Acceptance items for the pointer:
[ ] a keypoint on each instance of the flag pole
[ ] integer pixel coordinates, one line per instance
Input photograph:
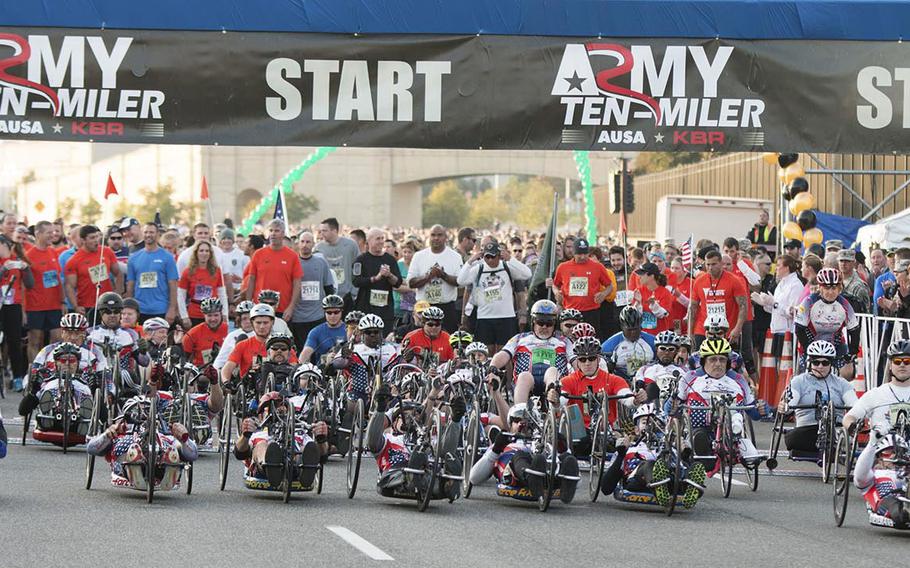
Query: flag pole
(552, 269)
(207, 199)
(109, 190)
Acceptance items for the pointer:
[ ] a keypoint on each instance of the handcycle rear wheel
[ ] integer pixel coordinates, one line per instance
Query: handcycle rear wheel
(94, 428)
(550, 444)
(355, 449)
(289, 452)
(598, 457)
(224, 434)
(673, 455)
(827, 450)
(751, 470)
(188, 423)
(843, 466)
(151, 449)
(472, 441)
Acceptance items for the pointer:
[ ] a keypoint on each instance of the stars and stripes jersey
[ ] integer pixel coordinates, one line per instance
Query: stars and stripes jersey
(89, 359)
(80, 390)
(826, 320)
(653, 371)
(697, 389)
(117, 454)
(886, 484)
(394, 453)
(535, 355)
(634, 456)
(630, 356)
(123, 339)
(502, 462)
(362, 365)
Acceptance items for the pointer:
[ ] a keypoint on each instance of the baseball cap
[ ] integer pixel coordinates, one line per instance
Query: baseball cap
(128, 222)
(581, 246)
(491, 249)
(834, 244)
(649, 268)
(226, 234)
(420, 306)
(792, 244)
(901, 266)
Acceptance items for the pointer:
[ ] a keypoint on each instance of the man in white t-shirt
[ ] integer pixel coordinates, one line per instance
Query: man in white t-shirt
(433, 274)
(883, 404)
(233, 261)
(201, 232)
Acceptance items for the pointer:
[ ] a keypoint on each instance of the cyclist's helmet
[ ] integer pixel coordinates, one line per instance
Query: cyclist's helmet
(519, 411)
(433, 313)
(684, 341)
(821, 348)
(587, 347)
(544, 309)
(333, 301)
(154, 324)
(460, 338)
(262, 310)
(353, 317)
(716, 323)
(131, 303)
(648, 409)
(110, 302)
(74, 322)
(475, 348)
(66, 349)
(719, 346)
(244, 307)
(370, 321)
(410, 383)
(211, 306)
(306, 370)
(569, 314)
(828, 276)
(899, 348)
(583, 329)
(665, 337)
(630, 318)
(277, 338)
(268, 297)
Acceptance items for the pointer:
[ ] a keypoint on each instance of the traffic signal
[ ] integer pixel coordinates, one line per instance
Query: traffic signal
(616, 193)
(628, 193)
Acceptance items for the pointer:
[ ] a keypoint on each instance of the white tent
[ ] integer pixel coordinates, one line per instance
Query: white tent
(890, 232)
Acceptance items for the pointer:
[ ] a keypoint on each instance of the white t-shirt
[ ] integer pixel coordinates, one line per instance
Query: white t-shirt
(233, 262)
(493, 294)
(436, 291)
(878, 403)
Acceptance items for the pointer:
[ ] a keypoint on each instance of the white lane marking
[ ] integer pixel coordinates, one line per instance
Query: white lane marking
(359, 543)
(735, 481)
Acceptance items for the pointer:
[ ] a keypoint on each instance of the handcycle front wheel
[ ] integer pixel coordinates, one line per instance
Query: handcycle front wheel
(224, 442)
(777, 432)
(151, 455)
(550, 443)
(94, 428)
(845, 447)
(424, 496)
(355, 449)
(725, 454)
(827, 450)
(598, 456)
(673, 455)
(472, 441)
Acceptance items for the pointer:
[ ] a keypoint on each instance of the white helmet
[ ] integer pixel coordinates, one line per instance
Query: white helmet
(370, 321)
(153, 324)
(821, 348)
(717, 320)
(476, 347)
(888, 442)
(305, 369)
(262, 310)
(644, 410)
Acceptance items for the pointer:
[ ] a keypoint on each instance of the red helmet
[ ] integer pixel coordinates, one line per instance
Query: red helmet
(583, 329)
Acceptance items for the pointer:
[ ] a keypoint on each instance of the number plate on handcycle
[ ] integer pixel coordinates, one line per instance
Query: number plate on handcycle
(896, 410)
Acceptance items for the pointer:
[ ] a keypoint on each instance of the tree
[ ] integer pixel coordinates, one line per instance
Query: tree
(160, 198)
(533, 201)
(446, 205)
(66, 208)
(299, 207)
(90, 211)
(486, 209)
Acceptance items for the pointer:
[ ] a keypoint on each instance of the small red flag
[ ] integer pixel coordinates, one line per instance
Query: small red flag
(111, 189)
(205, 189)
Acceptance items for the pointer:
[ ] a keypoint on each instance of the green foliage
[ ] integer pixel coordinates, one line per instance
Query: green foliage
(158, 199)
(446, 205)
(66, 208)
(90, 211)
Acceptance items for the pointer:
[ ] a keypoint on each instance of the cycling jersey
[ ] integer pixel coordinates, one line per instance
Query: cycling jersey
(89, 359)
(826, 320)
(125, 342)
(394, 453)
(698, 389)
(535, 355)
(880, 403)
(439, 345)
(651, 372)
(630, 356)
(245, 353)
(802, 391)
(576, 384)
(323, 338)
(362, 366)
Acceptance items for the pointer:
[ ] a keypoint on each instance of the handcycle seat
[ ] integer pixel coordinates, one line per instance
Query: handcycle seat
(518, 492)
(802, 455)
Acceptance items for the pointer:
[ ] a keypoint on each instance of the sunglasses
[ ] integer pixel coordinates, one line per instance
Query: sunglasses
(820, 363)
(68, 359)
(115, 238)
(900, 361)
(666, 348)
(587, 359)
(333, 312)
(545, 323)
(432, 323)
(516, 251)
(280, 348)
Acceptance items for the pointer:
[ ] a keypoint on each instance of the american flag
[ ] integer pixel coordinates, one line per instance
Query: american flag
(685, 251)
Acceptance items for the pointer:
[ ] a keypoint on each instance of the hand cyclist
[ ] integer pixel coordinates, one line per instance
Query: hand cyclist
(202, 341)
(430, 341)
(385, 438)
(243, 330)
(477, 353)
(247, 354)
(826, 314)
(45, 385)
(629, 349)
(539, 357)
(328, 334)
(589, 375)
(568, 319)
(636, 467)
(132, 349)
(273, 298)
(696, 389)
(666, 343)
(352, 323)
(263, 456)
(155, 330)
(878, 403)
(805, 388)
(122, 446)
(882, 478)
(515, 465)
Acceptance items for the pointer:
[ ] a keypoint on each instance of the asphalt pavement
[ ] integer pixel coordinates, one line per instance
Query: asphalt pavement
(51, 520)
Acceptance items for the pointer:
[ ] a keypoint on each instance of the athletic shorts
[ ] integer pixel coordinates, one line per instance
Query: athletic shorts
(44, 320)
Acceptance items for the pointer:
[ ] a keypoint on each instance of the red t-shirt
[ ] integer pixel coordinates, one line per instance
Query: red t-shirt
(679, 311)
(666, 301)
(15, 295)
(276, 270)
(89, 272)
(245, 352)
(739, 273)
(440, 345)
(199, 285)
(579, 282)
(720, 292)
(47, 293)
(198, 342)
(576, 384)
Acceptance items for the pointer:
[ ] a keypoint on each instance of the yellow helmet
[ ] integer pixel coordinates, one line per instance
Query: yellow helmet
(718, 346)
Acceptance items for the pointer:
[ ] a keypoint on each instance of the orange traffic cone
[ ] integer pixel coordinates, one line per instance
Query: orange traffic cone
(785, 370)
(767, 372)
(859, 374)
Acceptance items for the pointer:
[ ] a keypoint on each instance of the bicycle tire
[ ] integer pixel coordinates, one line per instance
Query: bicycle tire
(673, 455)
(472, 441)
(423, 500)
(355, 449)
(151, 455)
(289, 453)
(598, 457)
(65, 418)
(94, 428)
(26, 420)
(776, 434)
(827, 449)
(224, 434)
(726, 453)
(843, 465)
(551, 439)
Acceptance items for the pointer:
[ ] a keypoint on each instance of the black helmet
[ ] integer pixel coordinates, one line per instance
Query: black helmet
(630, 318)
(266, 296)
(587, 347)
(569, 314)
(333, 301)
(899, 348)
(353, 317)
(66, 349)
(211, 306)
(110, 301)
(131, 303)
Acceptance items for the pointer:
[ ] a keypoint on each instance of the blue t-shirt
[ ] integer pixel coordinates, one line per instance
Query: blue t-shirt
(323, 338)
(63, 259)
(880, 289)
(151, 272)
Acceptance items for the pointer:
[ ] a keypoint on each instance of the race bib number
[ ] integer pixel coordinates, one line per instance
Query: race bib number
(148, 280)
(648, 320)
(50, 279)
(543, 355)
(207, 356)
(896, 410)
(338, 271)
(492, 294)
(202, 292)
(379, 298)
(7, 293)
(309, 291)
(434, 292)
(578, 286)
(717, 310)
(624, 298)
(98, 273)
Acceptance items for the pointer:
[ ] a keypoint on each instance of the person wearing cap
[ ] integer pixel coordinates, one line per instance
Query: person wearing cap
(317, 283)
(416, 322)
(584, 284)
(764, 234)
(491, 281)
(855, 290)
(833, 245)
(248, 352)
(86, 277)
(653, 299)
(233, 262)
(430, 338)
(433, 275)
(792, 247)
(131, 231)
(151, 278)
